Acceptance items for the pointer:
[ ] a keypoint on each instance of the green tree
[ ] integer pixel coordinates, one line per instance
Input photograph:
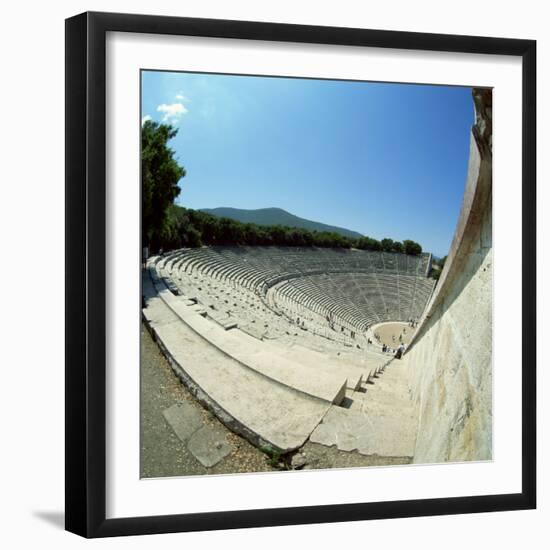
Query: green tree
(387, 244)
(210, 230)
(184, 227)
(397, 247)
(160, 174)
(368, 243)
(412, 247)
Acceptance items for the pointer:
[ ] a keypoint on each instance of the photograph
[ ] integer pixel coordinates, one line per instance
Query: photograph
(316, 274)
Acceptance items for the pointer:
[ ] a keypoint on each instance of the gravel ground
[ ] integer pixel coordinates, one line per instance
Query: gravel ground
(388, 330)
(163, 454)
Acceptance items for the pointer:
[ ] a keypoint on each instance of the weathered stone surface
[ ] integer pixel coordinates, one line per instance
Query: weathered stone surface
(266, 360)
(313, 362)
(370, 435)
(184, 419)
(298, 461)
(451, 355)
(209, 445)
(380, 419)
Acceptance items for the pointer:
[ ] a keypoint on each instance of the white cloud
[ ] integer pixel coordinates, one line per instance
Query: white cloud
(181, 97)
(145, 119)
(172, 112)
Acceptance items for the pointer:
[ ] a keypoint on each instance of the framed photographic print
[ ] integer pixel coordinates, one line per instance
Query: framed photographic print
(300, 276)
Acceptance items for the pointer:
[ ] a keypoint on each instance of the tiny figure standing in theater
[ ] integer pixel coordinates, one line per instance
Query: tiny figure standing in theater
(399, 352)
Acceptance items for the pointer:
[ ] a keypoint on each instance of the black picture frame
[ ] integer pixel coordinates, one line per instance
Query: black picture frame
(86, 276)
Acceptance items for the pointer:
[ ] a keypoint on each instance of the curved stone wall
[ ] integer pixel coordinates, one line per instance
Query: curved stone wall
(450, 358)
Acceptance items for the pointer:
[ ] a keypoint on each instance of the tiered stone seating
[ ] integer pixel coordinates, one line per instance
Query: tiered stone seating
(295, 261)
(359, 299)
(334, 294)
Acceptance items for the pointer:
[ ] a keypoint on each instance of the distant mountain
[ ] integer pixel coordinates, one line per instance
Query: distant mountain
(276, 216)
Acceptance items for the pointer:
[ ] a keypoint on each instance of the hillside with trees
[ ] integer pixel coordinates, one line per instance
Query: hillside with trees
(277, 216)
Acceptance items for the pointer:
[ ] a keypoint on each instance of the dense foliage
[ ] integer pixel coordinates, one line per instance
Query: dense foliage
(437, 267)
(192, 228)
(168, 226)
(160, 174)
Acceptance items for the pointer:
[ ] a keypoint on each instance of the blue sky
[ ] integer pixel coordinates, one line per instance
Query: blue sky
(386, 160)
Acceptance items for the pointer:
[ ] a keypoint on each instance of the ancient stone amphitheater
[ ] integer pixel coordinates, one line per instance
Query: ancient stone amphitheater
(275, 341)
(282, 339)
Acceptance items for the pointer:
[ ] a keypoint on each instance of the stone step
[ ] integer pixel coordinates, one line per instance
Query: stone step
(253, 330)
(384, 382)
(261, 358)
(398, 368)
(322, 365)
(263, 411)
(394, 387)
(381, 403)
(392, 371)
(257, 356)
(371, 363)
(368, 434)
(225, 321)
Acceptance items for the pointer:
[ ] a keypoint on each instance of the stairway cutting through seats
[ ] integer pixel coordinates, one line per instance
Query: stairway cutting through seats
(379, 419)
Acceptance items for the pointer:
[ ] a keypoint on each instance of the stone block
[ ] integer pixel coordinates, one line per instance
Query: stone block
(184, 419)
(209, 445)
